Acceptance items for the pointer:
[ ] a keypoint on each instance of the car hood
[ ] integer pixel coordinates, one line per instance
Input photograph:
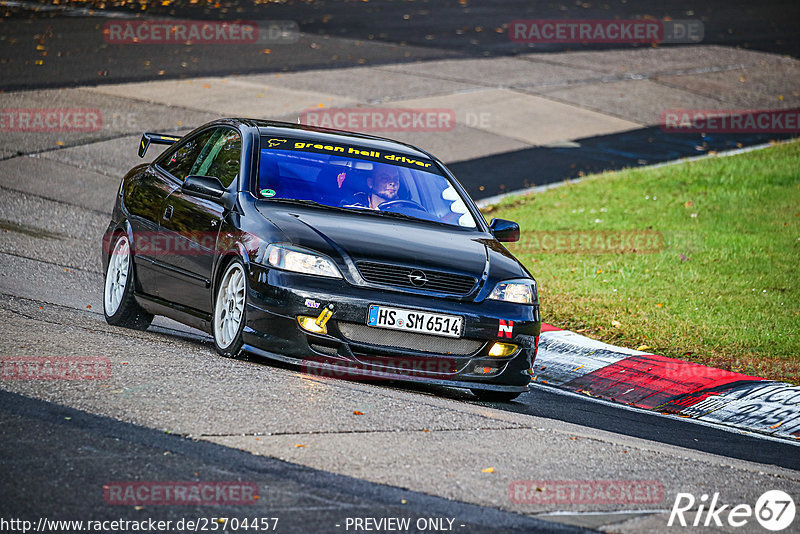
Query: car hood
(364, 236)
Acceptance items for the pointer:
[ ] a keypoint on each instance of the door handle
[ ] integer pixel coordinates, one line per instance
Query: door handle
(168, 213)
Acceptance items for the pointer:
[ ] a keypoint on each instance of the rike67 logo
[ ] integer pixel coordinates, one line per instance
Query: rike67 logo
(774, 510)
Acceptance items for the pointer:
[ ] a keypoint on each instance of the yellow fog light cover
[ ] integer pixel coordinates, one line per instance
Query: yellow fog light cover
(499, 350)
(310, 324)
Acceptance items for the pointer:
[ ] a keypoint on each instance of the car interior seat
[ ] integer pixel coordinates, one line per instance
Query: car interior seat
(336, 183)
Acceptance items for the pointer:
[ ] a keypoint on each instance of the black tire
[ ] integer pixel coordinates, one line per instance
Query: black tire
(128, 313)
(495, 396)
(225, 345)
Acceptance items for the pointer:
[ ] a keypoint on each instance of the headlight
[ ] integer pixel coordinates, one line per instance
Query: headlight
(284, 257)
(519, 291)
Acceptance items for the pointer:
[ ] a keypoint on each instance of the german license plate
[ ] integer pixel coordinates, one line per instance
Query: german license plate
(415, 321)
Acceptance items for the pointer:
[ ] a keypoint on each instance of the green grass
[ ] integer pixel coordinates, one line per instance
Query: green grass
(724, 290)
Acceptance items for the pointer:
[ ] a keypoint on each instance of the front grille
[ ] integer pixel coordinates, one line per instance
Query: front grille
(408, 340)
(397, 275)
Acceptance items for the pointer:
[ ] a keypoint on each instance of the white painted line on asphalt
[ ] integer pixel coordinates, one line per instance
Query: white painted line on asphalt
(613, 512)
(731, 429)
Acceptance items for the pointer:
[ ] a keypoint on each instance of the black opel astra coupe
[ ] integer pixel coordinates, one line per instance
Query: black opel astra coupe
(351, 255)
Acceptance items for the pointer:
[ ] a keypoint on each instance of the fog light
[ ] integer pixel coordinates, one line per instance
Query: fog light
(499, 350)
(310, 324)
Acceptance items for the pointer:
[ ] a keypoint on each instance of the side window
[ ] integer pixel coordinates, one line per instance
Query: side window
(180, 163)
(220, 156)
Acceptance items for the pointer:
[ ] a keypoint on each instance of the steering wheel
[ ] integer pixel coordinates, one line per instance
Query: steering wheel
(401, 202)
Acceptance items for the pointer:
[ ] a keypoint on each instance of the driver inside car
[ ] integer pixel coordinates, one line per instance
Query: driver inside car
(383, 186)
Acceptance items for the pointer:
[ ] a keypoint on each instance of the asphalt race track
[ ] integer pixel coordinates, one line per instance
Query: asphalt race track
(320, 451)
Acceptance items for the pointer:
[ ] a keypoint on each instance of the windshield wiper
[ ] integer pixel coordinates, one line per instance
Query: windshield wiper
(303, 202)
(296, 201)
(360, 209)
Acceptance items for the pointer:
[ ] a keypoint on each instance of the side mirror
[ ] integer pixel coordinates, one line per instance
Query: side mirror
(203, 187)
(503, 230)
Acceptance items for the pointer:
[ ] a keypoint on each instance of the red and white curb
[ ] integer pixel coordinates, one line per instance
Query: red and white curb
(577, 363)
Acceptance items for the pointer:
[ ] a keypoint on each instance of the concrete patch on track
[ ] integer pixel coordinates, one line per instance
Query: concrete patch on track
(83, 116)
(521, 116)
(577, 363)
(228, 96)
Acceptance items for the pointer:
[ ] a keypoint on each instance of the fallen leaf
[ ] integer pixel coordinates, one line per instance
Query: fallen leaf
(299, 445)
(644, 347)
(356, 412)
(488, 470)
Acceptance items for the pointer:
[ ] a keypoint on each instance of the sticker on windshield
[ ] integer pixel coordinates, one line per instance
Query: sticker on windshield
(267, 193)
(369, 154)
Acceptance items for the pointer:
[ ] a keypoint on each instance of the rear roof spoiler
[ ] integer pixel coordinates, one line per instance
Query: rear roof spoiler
(159, 139)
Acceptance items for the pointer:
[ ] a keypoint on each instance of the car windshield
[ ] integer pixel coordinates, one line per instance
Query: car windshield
(358, 178)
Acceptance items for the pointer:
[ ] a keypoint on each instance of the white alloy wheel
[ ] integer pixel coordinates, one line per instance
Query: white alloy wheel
(119, 268)
(229, 305)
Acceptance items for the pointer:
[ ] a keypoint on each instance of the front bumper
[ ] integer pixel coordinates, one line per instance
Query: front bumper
(350, 349)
